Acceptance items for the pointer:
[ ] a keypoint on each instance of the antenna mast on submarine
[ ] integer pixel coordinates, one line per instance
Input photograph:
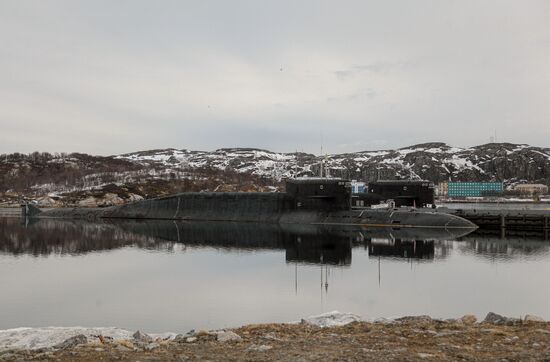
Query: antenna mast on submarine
(321, 162)
(296, 161)
(327, 175)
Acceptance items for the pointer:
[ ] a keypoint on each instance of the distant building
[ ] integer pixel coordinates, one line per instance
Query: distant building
(357, 187)
(442, 189)
(532, 189)
(474, 189)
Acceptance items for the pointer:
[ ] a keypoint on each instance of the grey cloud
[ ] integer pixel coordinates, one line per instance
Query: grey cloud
(378, 68)
(365, 94)
(111, 77)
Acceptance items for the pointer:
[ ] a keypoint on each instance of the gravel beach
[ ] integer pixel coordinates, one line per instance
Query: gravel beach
(409, 338)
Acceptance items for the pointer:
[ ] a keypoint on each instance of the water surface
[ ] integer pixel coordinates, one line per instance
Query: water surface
(175, 276)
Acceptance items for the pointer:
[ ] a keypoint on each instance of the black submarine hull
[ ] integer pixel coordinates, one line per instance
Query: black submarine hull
(276, 208)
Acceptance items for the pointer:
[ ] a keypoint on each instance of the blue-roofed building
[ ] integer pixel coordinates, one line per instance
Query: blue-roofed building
(473, 189)
(357, 187)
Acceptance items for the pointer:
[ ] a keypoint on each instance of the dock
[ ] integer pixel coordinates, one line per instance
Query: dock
(537, 221)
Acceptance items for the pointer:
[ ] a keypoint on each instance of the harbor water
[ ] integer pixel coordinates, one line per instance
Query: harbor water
(161, 276)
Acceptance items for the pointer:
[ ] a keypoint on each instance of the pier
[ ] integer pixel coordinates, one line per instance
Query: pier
(537, 221)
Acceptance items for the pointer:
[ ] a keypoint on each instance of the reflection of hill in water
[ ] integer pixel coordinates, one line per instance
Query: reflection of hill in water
(50, 236)
(302, 243)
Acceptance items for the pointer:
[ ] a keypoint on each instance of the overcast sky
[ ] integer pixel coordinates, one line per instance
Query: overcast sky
(108, 77)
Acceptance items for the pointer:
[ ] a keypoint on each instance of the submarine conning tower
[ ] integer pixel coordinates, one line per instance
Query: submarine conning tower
(322, 194)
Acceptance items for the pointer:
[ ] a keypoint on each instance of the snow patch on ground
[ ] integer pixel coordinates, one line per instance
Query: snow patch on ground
(47, 337)
(36, 338)
(462, 163)
(332, 319)
(542, 154)
(374, 153)
(406, 151)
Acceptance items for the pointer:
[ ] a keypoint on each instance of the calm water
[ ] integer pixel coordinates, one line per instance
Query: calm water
(166, 276)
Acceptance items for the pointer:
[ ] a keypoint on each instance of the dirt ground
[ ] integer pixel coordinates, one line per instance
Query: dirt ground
(411, 339)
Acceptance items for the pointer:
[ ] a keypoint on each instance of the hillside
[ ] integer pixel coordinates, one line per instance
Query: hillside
(83, 179)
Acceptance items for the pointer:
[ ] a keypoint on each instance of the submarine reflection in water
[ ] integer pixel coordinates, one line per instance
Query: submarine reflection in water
(307, 244)
(417, 249)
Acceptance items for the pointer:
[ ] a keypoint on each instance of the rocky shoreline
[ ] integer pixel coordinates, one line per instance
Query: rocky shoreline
(331, 336)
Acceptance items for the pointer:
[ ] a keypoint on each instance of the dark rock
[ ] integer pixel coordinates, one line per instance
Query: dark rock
(73, 341)
(142, 337)
(180, 338)
(494, 318)
(183, 337)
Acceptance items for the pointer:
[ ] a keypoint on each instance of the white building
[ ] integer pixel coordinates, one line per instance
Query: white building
(532, 189)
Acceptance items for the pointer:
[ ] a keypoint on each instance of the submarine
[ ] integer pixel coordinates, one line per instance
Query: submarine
(312, 201)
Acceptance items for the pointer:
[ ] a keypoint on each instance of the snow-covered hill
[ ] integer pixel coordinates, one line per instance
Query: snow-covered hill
(432, 161)
(262, 163)
(157, 172)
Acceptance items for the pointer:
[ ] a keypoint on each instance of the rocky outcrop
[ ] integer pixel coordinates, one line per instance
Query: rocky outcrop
(72, 342)
(331, 319)
(107, 199)
(142, 337)
(227, 336)
(532, 318)
(494, 318)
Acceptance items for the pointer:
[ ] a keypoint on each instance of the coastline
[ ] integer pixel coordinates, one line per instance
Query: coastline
(330, 336)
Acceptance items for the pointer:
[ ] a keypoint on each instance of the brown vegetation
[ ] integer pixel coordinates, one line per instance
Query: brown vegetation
(76, 177)
(411, 339)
